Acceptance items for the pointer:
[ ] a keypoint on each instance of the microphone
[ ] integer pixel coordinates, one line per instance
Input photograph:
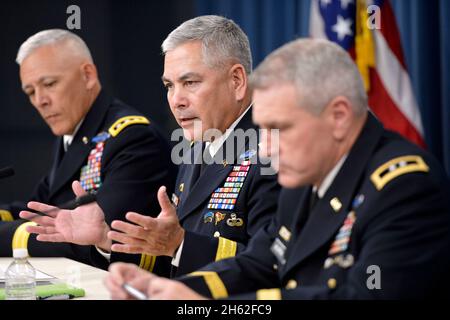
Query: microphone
(6, 172)
(70, 205)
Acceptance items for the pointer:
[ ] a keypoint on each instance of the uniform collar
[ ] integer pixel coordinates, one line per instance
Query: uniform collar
(214, 146)
(329, 178)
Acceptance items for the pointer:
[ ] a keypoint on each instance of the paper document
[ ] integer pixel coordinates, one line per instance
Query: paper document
(40, 276)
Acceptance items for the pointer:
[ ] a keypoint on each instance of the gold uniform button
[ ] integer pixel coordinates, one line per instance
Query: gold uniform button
(275, 266)
(332, 283)
(216, 234)
(291, 284)
(85, 140)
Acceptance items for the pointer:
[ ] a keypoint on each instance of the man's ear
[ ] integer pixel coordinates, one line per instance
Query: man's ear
(339, 113)
(89, 74)
(239, 81)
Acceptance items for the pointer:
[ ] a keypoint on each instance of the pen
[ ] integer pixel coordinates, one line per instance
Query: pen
(134, 292)
(57, 297)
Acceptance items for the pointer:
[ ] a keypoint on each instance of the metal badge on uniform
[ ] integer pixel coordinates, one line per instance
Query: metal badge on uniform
(342, 261)
(234, 221)
(219, 216)
(208, 217)
(181, 187)
(175, 199)
(278, 249)
(284, 233)
(336, 204)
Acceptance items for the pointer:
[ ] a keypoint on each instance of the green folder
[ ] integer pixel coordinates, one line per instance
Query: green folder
(53, 291)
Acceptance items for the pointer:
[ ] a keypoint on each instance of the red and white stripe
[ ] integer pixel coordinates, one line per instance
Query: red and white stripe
(391, 97)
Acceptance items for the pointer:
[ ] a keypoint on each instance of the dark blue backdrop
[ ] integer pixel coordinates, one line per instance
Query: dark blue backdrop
(424, 29)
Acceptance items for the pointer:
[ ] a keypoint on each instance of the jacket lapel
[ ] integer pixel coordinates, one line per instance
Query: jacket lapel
(75, 157)
(213, 175)
(324, 220)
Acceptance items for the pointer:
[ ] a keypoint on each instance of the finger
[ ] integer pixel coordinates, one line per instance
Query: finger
(124, 238)
(44, 221)
(40, 229)
(55, 237)
(78, 189)
(115, 290)
(125, 248)
(148, 223)
(129, 229)
(156, 287)
(42, 207)
(117, 272)
(164, 201)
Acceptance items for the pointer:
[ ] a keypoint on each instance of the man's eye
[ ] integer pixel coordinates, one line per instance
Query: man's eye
(168, 86)
(190, 83)
(49, 84)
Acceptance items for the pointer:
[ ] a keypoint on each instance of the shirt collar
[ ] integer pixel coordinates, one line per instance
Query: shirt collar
(329, 178)
(214, 146)
(68, 138)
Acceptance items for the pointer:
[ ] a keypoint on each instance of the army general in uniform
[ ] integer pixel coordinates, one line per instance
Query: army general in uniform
(104, 144)
(222, 196)
(363, 213)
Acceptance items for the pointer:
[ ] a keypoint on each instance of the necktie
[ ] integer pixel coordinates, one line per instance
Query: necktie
(207, 159)
(312, 201)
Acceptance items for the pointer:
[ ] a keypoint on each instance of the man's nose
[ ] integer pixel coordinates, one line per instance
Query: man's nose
(178, 98)
(41, 99)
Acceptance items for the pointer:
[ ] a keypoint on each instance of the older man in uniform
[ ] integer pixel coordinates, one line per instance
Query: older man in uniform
(109, 147)
(222, 197)
(222, 201)
(364, 214)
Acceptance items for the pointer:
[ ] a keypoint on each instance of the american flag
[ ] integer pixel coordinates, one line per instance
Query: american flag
(379, 56)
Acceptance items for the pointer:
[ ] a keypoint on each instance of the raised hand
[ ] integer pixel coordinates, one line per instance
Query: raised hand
(84, 225)
(155, 236)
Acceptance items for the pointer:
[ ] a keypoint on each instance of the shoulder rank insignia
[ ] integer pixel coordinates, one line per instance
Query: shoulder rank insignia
(397, 167)
(124, 122)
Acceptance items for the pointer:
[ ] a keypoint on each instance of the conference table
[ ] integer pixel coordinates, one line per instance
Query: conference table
(78, 274)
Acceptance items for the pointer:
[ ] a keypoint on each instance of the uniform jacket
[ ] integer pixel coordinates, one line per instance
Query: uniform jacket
(227, 204)
(125, 159)
(381, 231)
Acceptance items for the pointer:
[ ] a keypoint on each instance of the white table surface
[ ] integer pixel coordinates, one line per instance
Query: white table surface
(81, 275)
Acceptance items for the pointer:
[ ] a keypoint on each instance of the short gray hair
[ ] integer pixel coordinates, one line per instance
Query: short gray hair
(319, 69)
(222, 40)
(51, 37)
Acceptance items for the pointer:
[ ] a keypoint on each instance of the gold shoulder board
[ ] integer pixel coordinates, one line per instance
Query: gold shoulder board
(397, 167)
(124, 122)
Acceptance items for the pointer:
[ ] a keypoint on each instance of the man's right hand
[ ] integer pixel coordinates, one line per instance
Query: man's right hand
(84, 225)
(121, 273)
(160, 236)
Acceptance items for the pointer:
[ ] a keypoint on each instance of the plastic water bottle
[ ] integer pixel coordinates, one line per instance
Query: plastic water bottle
(20, 278)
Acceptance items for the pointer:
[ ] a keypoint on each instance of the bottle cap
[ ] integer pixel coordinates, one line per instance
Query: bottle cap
(20, 253)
